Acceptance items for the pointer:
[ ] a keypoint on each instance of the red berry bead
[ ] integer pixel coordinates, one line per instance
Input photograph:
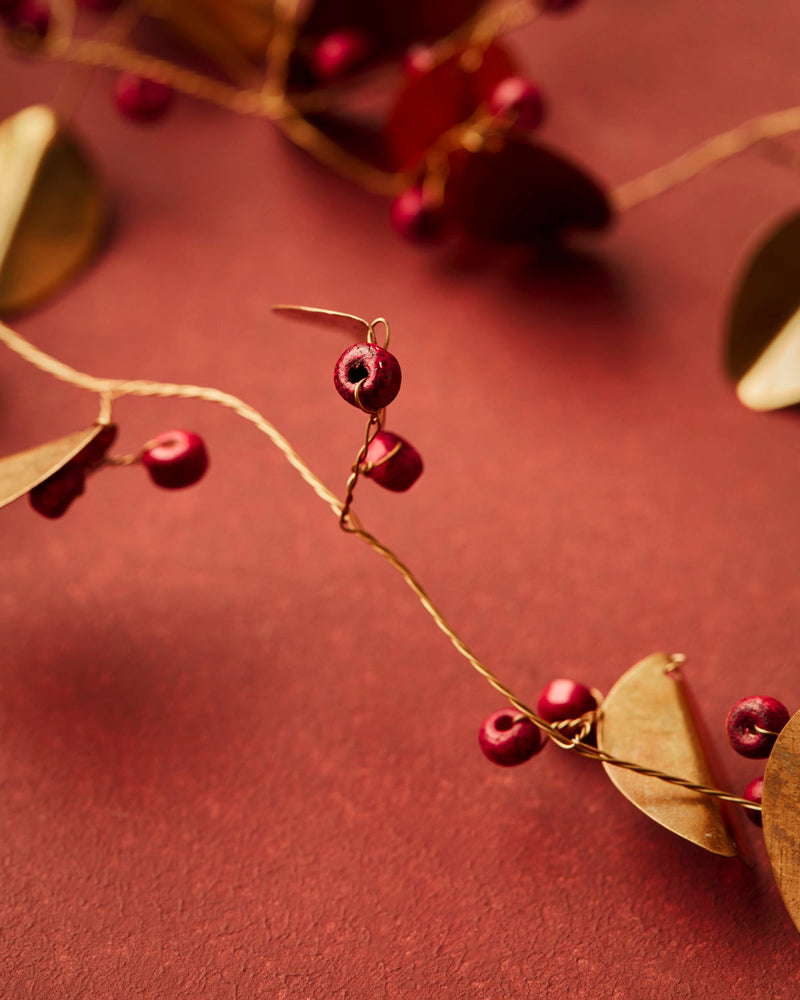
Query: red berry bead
(507, 738)
(518, 98)
(373, 371)
(564, 699)
(750, 715)
(754, 793)
(416, 218)
(340, 53)
(52, 497)
(175, 459)
(31, 17)
(140, 99)
(392, 462)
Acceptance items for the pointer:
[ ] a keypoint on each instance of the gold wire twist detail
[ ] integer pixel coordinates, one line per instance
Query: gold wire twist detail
(116, 388)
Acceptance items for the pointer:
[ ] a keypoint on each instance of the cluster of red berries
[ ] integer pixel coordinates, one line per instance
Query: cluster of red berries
(174, 460)
(368, 377)
(753, 725)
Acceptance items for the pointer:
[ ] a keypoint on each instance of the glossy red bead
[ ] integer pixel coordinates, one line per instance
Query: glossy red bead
(507, 738)
(371, 370)
(175, 459)
(340, 53)
(417, 219)
(748, 717)
(392, 462)
(519, 100)
(565, 699)
(140, 99)
(53, 497)
(753, 793)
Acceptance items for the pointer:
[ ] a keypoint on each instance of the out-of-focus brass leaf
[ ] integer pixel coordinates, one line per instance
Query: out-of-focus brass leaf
(325, 317)
(52, 208)
(21, 472)
(780, 811)
(647, 719)
(763, 348)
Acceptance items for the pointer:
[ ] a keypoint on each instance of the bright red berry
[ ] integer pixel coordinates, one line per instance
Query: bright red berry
(754, 793)
(519, 100)
(416, 218)
(340, 53)
(392, 462)
(140, 99)
(507, 738)
(52, 497)
(175, 459)
(753, 725)
(564, 699)
(367, 376)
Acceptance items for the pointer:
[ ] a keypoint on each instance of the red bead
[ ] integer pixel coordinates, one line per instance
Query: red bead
(52, 497)
(564, 699)
(417, 219)
(747, 717)
(508, 738)
(175, 459)
(30, 16)
(370, 369)
(340, 53)
(753, 793)
(401, 470)
(519, 99)
(140, 99)
(556, 6)
(93, 454)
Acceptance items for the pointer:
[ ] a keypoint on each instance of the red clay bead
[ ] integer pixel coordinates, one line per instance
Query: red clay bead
(399, 472)
(340, 53)
(373, 370)
(175, 459)
(52, 497)
(508, 739)
(753, 793)
(140, 99)
(415, 218)
(518, 98)
(564, 699)
(757, 711)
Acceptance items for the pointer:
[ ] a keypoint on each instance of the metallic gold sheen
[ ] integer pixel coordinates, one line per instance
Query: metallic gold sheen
(52, 208)
(646, 717)
(345, 322)
(21, 472)
(780, 813)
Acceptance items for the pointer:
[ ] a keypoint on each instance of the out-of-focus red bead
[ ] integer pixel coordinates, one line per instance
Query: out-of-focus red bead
(565, 699)
(340, 53)
(98, 4)
(418, 60)
(140, 99)
(400, 470)
(31, 16)
(417, 219)
(372, 371)
(175, 459)
(518, 99)
(52, 497)
(754, 793)
(753, 725)
(508, 738)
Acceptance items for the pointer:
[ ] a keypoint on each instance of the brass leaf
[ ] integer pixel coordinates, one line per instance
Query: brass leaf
(52, 208)
(763, 348)
(21, 472)
(647, 719)
(780, 807)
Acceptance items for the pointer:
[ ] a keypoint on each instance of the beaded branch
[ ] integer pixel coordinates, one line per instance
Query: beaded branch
(567, 733)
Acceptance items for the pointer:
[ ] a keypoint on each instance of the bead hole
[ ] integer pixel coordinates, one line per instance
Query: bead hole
(504, 723)
(357, 372)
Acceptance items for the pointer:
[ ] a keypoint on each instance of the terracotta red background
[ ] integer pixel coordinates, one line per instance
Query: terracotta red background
(236, 758)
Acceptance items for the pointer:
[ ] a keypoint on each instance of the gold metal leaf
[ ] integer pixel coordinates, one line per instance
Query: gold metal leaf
(647, 718)
(21, 472)
(52, 208)
(763, 349)
(325, 317)
(780, 811)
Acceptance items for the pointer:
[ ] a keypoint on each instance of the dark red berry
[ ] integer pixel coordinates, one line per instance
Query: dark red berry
(753, 793)
(418, 60)
(372, 372)
(392, 462)
(416, 218)
(507, 737)
(519, 100)
(340, 53)
(565, 699)
(175, 459)
(753, 725)
(52, 497)
(140, 99)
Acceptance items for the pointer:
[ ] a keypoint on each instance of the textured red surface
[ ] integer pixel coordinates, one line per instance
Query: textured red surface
(236, 758)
